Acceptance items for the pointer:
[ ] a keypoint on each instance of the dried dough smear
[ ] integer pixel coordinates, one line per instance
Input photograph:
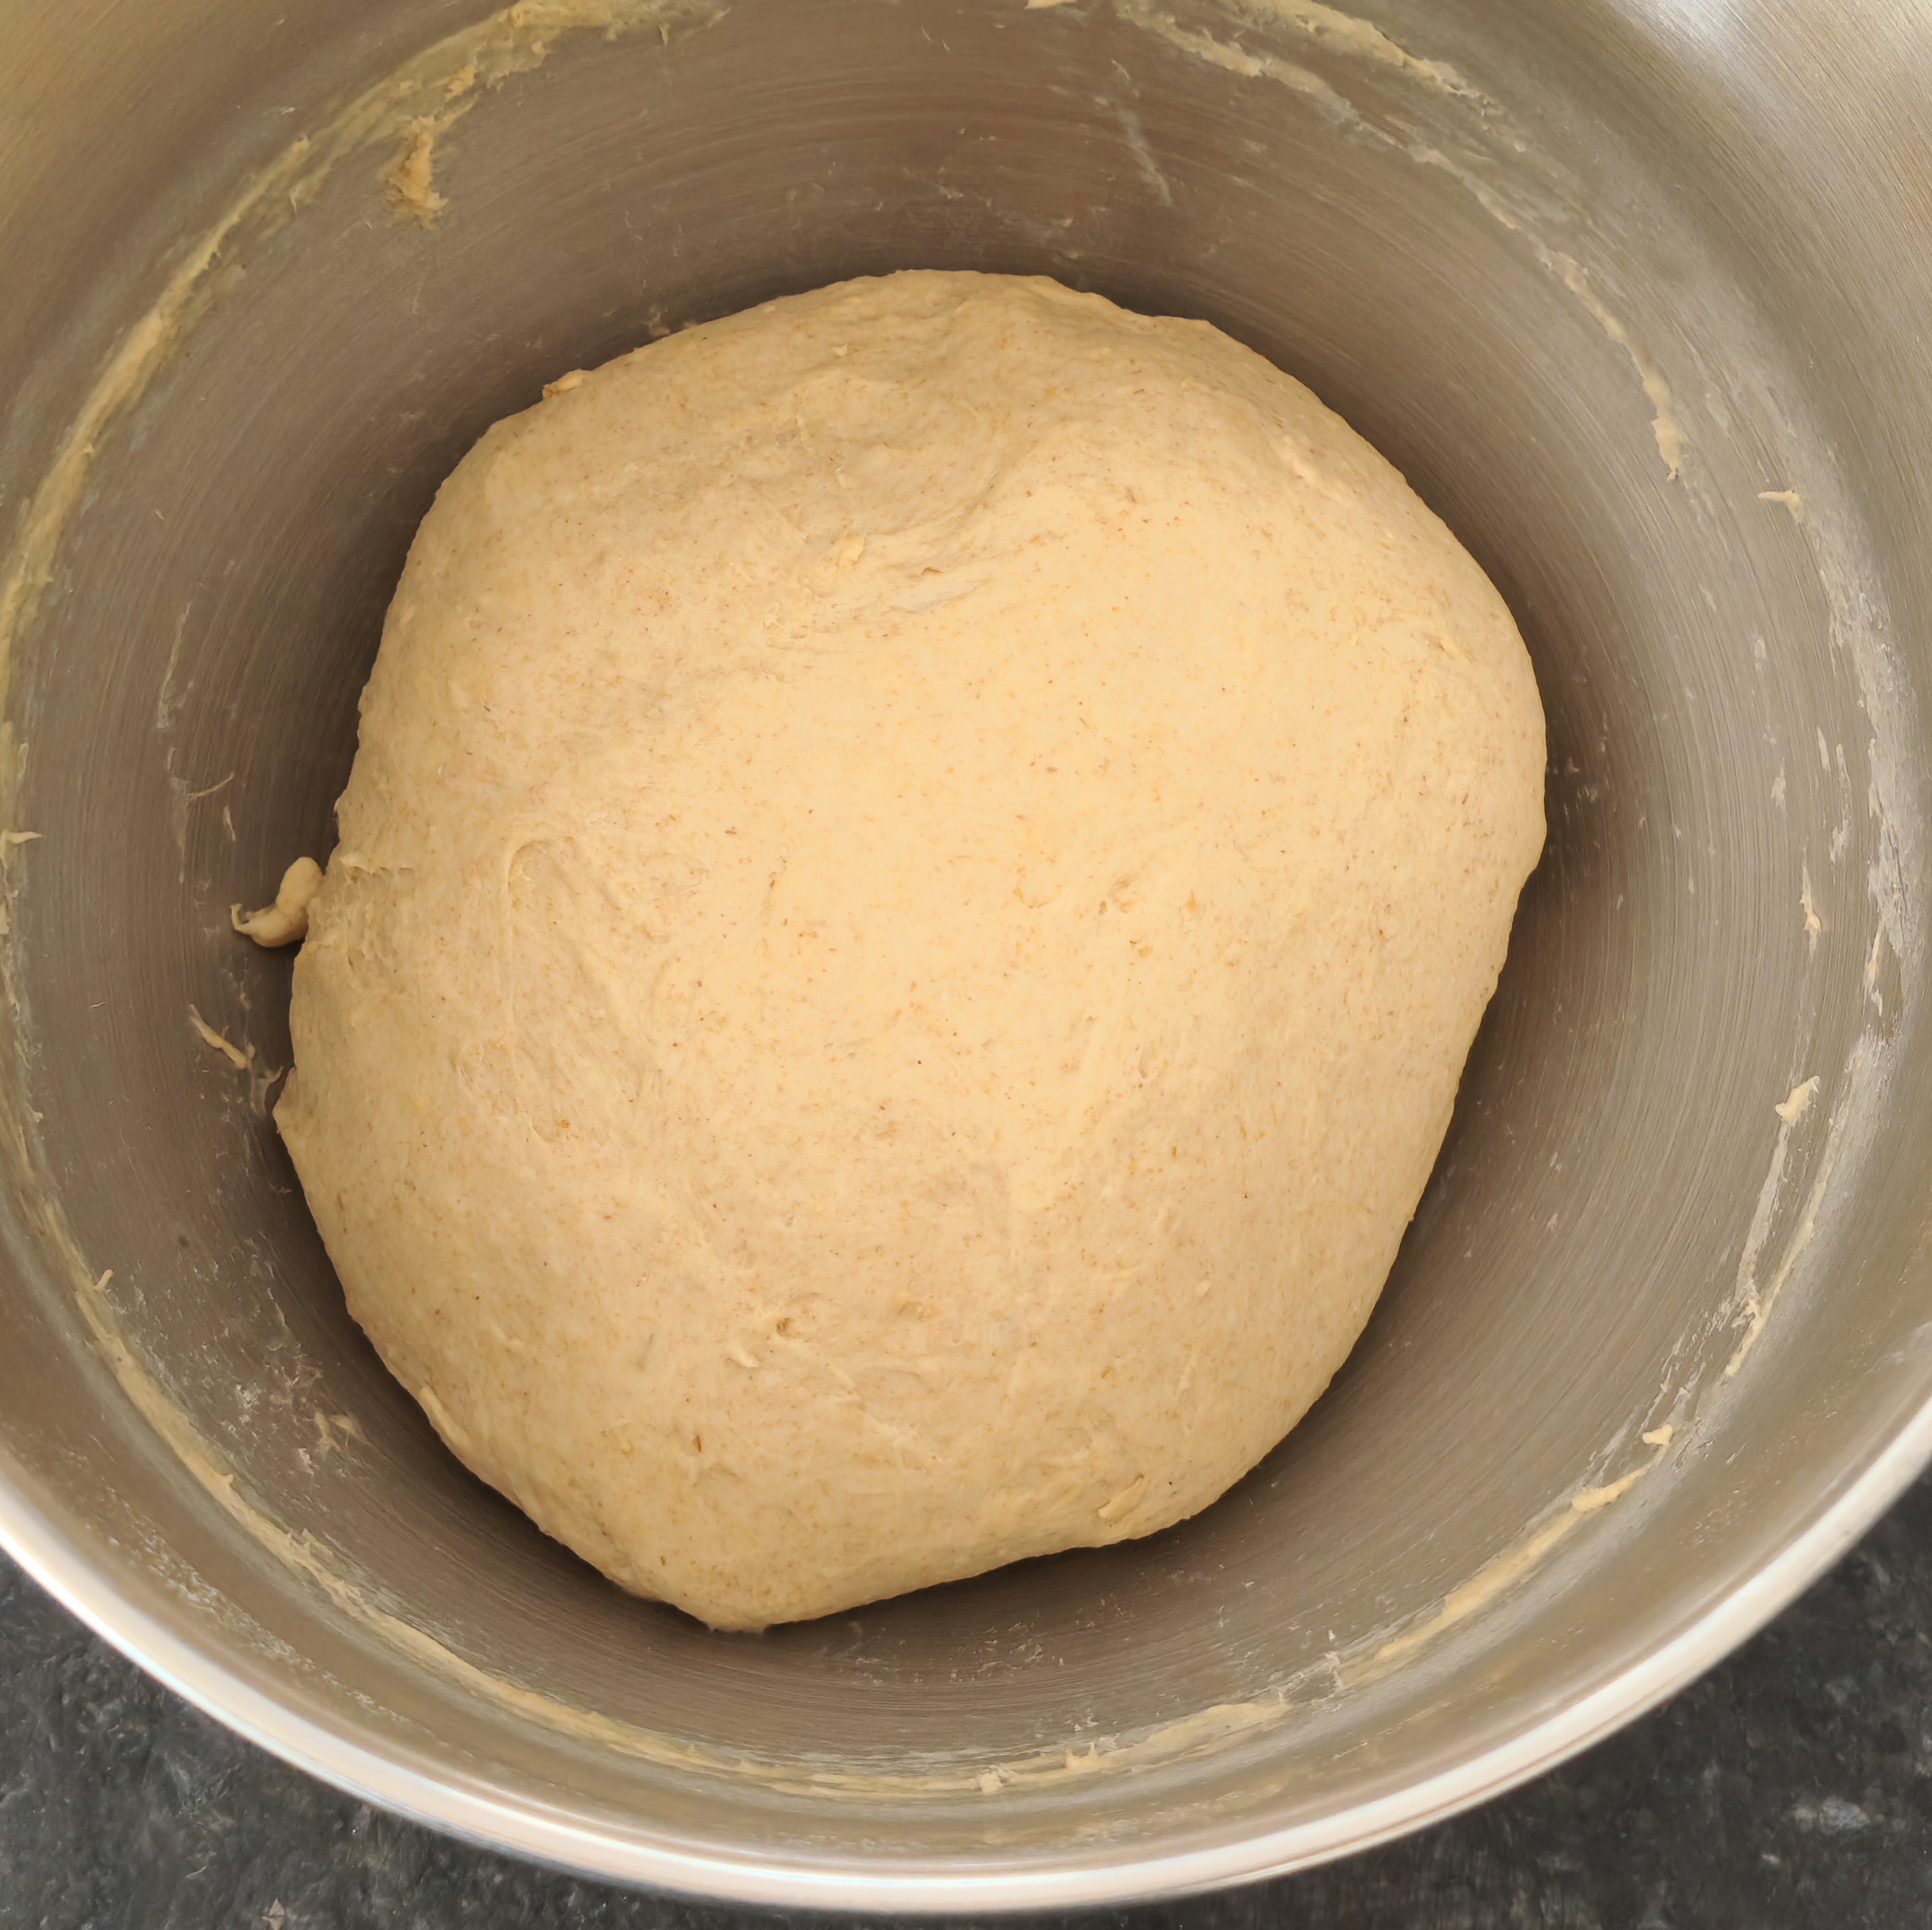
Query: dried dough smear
(922, 865)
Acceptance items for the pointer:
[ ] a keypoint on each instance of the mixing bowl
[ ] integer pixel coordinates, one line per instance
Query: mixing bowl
(1631, 290)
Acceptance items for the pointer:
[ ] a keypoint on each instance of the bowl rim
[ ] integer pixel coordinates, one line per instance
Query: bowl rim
(370, 1773)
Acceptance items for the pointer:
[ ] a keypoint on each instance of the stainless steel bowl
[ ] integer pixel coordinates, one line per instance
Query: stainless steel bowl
(1633, 291)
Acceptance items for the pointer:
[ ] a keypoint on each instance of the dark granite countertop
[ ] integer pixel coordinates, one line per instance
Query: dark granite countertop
(1792, 1786)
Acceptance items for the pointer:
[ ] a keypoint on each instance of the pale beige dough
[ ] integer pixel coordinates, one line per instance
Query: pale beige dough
(923, 865)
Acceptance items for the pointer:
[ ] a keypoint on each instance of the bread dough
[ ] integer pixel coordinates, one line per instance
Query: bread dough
(287, 919)
(922, 865)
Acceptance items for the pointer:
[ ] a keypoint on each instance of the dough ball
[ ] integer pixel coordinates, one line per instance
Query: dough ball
(922, 865)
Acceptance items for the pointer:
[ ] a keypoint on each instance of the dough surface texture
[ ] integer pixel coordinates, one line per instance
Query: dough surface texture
(922, 864)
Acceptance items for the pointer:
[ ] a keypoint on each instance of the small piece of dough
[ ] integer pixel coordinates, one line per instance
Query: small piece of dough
(286, 920)
(241, 1059)
(925, 860)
